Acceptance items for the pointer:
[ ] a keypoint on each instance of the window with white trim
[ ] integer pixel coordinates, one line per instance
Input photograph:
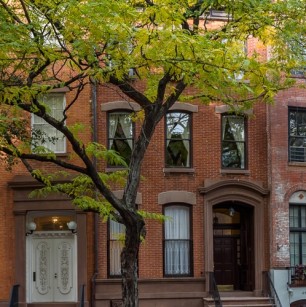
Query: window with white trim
(177, 241)
(178, 139)
(233, 143)
(116, 237)
(121, 134)
(44, 136)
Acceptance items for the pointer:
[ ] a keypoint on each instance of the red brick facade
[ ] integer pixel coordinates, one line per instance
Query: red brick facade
(262, 191)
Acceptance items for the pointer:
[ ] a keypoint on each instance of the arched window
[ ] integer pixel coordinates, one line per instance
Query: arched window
(177, 241)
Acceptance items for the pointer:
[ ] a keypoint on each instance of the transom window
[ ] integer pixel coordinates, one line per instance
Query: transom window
(297, 134)
(44, 136)
(178, 139)
(121, 134)
(233, 147)
(116, 241)
(177, 241)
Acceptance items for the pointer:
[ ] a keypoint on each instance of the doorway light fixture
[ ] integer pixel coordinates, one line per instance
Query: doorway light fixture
(30, 227)
(231, 211)
(72, 226)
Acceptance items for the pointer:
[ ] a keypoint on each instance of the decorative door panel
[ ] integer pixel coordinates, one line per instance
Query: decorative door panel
(64, 270)
(53, 268)
(42, 270)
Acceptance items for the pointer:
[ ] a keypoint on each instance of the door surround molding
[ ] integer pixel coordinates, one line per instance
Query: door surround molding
(21, 187)
(248, 192)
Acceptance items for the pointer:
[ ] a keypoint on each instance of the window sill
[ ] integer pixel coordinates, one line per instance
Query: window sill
(235, 172)
(115, 169)
(303, 164)
(176, 170)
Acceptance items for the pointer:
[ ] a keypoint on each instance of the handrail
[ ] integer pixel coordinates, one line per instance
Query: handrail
(213, 290)
(272, 291)
(82, 299)
(14, 296)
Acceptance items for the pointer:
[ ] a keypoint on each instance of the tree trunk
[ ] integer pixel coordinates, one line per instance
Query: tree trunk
(129, 263)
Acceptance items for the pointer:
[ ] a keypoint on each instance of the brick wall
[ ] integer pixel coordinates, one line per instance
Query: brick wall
(285, 178)
(206, 134)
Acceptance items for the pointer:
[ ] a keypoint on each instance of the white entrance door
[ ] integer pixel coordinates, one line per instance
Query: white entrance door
(53, 268)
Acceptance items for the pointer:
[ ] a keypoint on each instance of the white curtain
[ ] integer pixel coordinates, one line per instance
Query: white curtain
(177, 241)
(56, 104)
(116, 232)
(126, 124)
(179, 124)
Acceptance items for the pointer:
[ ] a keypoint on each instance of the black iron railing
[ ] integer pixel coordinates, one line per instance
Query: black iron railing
(14, 296)
(271, 290)
(213, 290)
(297, 276)
(82, 296)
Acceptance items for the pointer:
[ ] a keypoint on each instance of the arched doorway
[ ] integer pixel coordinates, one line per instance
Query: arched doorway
(233, 246)
(251, 201)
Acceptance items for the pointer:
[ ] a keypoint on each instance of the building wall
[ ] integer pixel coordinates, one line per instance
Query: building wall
(12, 253)
(205, 170)
(285, 177)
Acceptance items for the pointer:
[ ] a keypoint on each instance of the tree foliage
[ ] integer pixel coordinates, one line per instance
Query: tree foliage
(170, 45)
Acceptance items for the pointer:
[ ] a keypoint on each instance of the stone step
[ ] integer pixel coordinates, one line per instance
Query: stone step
(241, 301)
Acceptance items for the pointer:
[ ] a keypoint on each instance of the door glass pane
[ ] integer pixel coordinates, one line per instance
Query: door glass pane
(53, 223)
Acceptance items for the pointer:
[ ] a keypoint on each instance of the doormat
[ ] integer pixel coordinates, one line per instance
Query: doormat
(224, 288)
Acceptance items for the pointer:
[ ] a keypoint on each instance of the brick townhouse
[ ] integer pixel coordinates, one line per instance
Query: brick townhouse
(233, 185)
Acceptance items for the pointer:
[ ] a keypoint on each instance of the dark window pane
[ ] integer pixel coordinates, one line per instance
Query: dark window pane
(233, 142)
(297, 223)
(297, 135)
(178, 139)
(120, 134)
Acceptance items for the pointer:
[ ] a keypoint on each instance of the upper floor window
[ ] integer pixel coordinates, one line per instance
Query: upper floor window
(297, 135)
(177, 241)
(233, 147)
(121, 134)
(178, 139)
(45, 135)
(115, 245)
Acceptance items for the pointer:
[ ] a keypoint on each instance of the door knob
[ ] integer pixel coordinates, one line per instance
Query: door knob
(55, 275)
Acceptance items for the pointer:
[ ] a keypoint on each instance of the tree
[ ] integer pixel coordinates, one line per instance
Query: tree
(168, 45)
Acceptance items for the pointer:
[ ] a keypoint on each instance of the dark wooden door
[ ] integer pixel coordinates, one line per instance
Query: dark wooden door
(225, 260)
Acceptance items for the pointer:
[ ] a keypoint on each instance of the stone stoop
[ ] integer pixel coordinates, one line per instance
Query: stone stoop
(53, 304)
(232, 301)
